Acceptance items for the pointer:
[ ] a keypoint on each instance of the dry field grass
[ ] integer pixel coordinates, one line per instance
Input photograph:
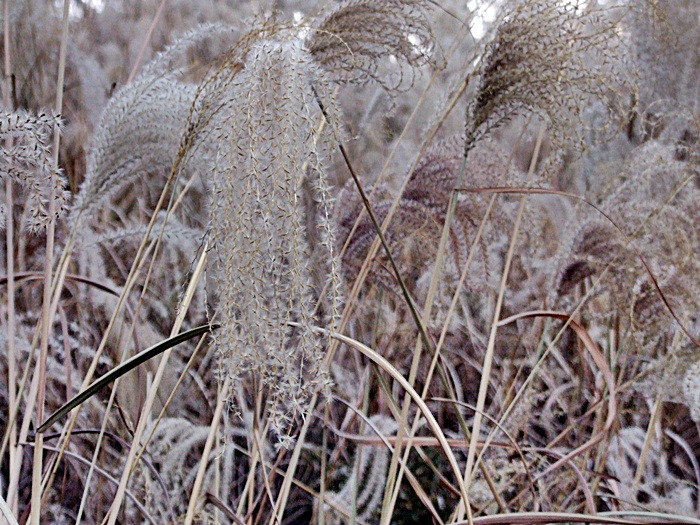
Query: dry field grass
(397, 261)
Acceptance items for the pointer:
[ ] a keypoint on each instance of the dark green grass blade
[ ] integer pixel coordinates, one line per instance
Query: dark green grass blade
(122, 369)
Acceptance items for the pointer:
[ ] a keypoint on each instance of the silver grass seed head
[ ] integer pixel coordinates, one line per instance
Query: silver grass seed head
(26, 156)
(141, 129)
(268, 146)
(138, 134)
(354, 41)
(546, 59)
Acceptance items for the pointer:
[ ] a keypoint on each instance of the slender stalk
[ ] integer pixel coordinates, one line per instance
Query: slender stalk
(443, 334)
(324, 466)
(648, 440)
(490, 347)
(15, 457)
(394, 484)
(214, 427)
(146, 41)
(7, 513)
(48, 265)
(24, 428)
(390, 502)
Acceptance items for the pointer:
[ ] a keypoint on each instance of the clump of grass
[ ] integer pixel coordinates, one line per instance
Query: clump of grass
(543, 349)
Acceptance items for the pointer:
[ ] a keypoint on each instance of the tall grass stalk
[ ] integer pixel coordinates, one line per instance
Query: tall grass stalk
(46, 318)
(7, 512)
(488, 357)
(213, 430)
(14, 456)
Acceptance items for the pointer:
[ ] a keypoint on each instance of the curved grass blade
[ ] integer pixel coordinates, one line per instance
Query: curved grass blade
(122, 369)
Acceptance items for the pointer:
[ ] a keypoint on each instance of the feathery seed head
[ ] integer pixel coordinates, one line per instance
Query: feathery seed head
(139, 133)
(264, 105)
(27, 158)
(355, 40)
(541, 61)
(268, 145)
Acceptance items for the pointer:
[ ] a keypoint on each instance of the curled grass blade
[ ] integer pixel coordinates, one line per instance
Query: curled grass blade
(420, 492)
(122, 369)
(599, 359)
(396, 375)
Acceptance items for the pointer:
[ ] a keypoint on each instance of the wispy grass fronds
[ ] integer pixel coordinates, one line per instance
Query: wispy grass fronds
(141, 129)
(26, 157)
(548, 59)
(363, 40)
(138, 135)
(268, 146)
(266, 117)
